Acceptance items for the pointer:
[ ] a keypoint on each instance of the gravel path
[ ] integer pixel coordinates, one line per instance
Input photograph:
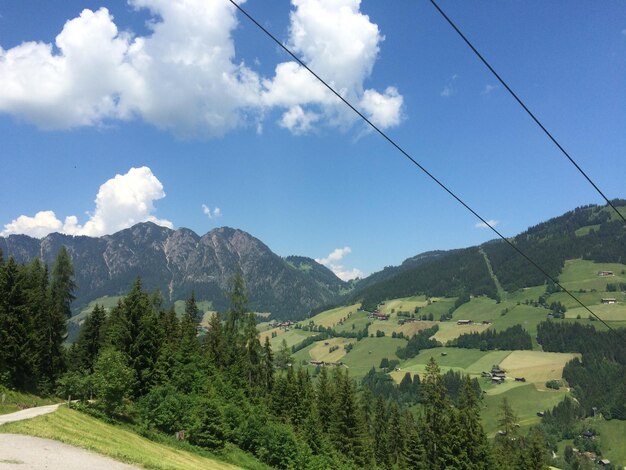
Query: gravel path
(27, 413)
(19, 452)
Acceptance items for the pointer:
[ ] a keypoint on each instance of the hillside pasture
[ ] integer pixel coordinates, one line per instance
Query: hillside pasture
(405, 304)
(479, 309)
(610, 313)
(356, 322)
(332, 317)
(291, 336)
(368, 353)
(525, 400)
(449, 330)
(390, 326)
(321, 349)
(438, 306)
(536, 366)
(583, 274)
(527, 293)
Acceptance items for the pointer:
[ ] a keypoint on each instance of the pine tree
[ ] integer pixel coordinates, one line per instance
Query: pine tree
(324, 398)
(254, 352)
(414, 454)
(208, 430)
(473, 441)
(381, 444)
(214, 342)
(395, 435)
(267, 366)
(90, 341)
(437, 419)
(15, 362)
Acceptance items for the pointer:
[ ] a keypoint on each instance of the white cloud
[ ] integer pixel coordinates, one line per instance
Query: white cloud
(491, 222)
(121, 202)
(449, 89)
(488, 89)
(341, 45)
(211, 214)
(298, 121)
(384, 110)
(332, 263)
(184, 75)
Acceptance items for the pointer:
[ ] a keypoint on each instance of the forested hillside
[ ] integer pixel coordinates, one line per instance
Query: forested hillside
(148, 368)
(590, 232)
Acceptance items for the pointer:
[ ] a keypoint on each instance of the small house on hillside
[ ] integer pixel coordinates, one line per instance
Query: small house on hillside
(520, 379)
(604, 462)
(606, 273)
(496, 379)
(464, 322)
(608, 301)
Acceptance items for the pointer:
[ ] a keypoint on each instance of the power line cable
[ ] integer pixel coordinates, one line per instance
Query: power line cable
(528, 111)
(417, 164)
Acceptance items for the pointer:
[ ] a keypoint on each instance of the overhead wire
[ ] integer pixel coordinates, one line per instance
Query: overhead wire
(528, 111)
(418, 165)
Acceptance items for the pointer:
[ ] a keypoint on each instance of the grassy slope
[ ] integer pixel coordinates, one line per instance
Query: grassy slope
(525, 400)
(369, 352)
(332, 317)
(81, 430)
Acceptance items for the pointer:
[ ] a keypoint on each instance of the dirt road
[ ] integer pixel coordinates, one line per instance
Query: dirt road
(19, 452)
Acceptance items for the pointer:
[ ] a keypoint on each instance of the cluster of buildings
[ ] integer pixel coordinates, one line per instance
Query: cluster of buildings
(284, 325)
(377, 315)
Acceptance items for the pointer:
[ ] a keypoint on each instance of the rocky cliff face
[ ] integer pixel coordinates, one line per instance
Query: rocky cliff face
(179, 261)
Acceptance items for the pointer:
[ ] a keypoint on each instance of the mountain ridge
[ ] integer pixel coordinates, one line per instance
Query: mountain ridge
(180, 261)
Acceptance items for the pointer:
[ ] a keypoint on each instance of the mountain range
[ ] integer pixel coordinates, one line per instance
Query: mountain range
(178, 262)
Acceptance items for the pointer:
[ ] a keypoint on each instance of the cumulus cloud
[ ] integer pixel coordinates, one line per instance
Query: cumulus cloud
(121, 202)
(184, 76)
(211, 214)
(491, 222)
(341, 45)
(332, 262)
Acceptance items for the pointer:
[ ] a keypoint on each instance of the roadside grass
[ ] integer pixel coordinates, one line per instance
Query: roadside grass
(369, 352)
(525, 400)
(15, 401)
(117, 441)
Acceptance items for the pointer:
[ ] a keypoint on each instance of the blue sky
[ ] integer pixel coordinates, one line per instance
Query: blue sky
(210, 114)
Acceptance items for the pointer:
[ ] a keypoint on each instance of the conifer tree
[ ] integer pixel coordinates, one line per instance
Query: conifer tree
(395, 435)
(15, 363)
(267, 366)
(472, 438)
(90, 341)
(214, 342)
(379, 437)
(437, 419)
(324, 398)
(414, 454)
